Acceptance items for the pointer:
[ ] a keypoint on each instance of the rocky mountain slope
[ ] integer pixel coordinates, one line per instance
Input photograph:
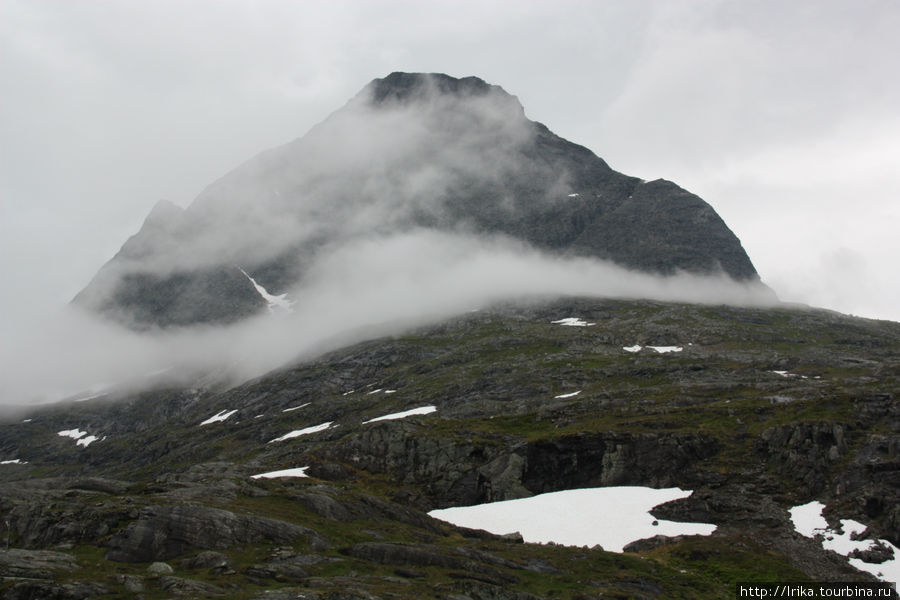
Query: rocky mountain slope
(152, 494)
(320, 479)
(410, 152)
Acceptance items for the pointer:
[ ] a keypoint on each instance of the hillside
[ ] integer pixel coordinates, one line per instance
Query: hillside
(754, 410)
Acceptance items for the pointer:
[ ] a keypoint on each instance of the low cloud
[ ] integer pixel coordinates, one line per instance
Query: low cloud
(373, 286)
(363, 208)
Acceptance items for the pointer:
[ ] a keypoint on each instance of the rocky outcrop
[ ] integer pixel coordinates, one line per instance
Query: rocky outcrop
(41, 520)
(461, 473)
(612, 458)
(806, 452)
(37, 564)
(47, 590)
(164, 532)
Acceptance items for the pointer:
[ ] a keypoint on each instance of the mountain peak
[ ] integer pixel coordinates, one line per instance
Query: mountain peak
(402, 87)
(163, 213)
(410, 152)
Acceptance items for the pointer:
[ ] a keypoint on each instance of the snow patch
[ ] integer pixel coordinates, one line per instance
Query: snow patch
(279, 302)
(293, 408)
(14, 461)
(220, 416)
(297, 472)
(612, 517)
(788, 374)
(808, 521)
(658, 349)
(306, 431)
(665, 349)
(574, 195)
(573, 322)
(79, 437)
(569, 395)
(422, 410)
(87, 441)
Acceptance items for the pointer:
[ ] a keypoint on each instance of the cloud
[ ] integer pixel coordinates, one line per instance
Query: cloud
(374, 285)
(718, 81)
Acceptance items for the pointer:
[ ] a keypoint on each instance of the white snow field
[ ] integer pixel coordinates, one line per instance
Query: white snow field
(569, 395)
(219, 416)
(299, 432)
(296, 472)
(612, 517)
(808, 521)
(81, 437)
(293, 408)
(573, 322)
(658, 349)
(279, 302)
(86, 441)
(72, 433)
(14, 461)
(422, 410)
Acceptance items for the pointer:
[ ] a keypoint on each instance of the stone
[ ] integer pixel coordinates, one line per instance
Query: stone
(160, 568)
(207, 559)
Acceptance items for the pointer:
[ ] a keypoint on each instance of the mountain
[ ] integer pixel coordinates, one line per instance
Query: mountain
(755, 411)
(677, 449)
(410, 152)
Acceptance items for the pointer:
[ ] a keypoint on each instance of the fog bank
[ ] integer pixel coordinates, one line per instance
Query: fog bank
(375, 285)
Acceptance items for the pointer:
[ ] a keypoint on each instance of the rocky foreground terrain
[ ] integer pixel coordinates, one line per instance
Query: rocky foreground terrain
(760, 410)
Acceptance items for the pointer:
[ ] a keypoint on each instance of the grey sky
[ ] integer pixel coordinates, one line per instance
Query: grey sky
(783, 115)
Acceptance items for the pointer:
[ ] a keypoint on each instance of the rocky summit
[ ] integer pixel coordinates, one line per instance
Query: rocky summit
(316, 480)
(410, 152)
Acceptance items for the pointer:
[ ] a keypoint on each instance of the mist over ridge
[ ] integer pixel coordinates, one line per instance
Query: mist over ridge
(409, 151)
(376, 285)
(423, 197)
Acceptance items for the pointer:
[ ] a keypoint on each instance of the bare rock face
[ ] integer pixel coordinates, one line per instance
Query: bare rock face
(35, 563)
(411, 151)
(48, 590)
(164, 532)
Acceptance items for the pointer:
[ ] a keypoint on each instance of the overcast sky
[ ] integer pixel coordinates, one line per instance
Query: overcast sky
(785, 116)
